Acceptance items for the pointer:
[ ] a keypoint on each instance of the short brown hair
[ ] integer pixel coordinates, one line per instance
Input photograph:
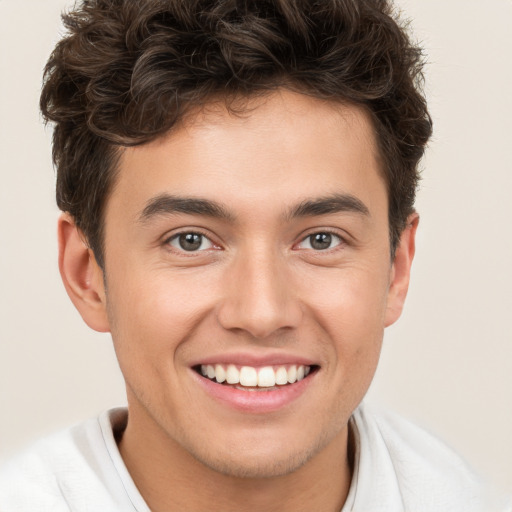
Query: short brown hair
(127, 71)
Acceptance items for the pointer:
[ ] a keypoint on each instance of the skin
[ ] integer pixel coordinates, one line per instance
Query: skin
(256, 287)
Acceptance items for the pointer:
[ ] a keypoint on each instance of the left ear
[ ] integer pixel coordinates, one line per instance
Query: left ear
(401, 271)
(81, 275)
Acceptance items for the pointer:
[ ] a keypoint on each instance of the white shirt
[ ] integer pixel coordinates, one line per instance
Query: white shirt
(398, 468)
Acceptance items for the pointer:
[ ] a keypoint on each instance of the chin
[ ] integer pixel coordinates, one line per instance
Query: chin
(250, 468)
(262, 459)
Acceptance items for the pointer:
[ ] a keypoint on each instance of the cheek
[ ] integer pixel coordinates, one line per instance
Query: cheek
(350, 304)
(350, 309)
(151, 318)
(153, 313)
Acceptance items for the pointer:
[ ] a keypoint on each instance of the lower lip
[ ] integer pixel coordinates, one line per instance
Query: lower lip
(256, 402)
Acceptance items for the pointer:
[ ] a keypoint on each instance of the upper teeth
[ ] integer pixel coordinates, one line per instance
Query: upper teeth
(265, 377)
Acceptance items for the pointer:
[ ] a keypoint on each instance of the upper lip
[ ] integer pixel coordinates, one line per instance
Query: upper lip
(255, 360)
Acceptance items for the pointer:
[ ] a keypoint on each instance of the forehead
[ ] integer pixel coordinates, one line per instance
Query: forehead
(270, 149)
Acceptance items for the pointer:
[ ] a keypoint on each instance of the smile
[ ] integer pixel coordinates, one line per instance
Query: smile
(256, 385)
(249, 378)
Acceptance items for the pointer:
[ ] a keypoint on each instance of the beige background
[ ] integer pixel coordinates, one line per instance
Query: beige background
(448, 362)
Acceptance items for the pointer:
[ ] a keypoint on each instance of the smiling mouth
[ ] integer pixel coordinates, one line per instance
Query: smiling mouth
(249, 378)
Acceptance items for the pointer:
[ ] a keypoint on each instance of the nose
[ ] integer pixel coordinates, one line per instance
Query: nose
(260, 297)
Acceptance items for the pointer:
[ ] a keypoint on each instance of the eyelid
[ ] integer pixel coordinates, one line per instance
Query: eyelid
(333, 233)
(175, 234)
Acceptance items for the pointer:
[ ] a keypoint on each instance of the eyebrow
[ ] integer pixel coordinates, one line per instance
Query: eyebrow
(166, 204)
(336, 203)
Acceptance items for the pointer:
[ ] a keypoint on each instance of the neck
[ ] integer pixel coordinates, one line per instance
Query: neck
(170, 478)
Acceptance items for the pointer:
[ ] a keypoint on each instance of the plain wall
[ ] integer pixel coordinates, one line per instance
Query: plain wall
(447, 364)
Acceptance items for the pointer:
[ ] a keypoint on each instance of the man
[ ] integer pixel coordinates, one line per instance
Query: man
(237, 183)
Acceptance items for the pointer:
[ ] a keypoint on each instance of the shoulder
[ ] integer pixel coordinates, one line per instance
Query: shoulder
(70, 470)
(422, 472)
(413, 449)
(42, 473)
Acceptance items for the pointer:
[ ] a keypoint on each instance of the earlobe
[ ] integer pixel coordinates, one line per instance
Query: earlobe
(401, 271)
(81, 275)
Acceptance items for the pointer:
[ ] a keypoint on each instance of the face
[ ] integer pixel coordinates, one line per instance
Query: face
(248, 281)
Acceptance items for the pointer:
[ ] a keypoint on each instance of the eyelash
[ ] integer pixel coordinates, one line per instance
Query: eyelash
(176, 236)
(341, 240)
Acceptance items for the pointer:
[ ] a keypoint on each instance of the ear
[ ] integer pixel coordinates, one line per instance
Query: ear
(81, 275)
(401, 271)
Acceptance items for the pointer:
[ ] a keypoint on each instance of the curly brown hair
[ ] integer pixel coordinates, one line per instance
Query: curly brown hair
(127, 71)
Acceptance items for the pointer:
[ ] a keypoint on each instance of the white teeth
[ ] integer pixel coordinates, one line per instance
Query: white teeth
(220, 373)
(232, 374)
(292, 374)
(281, 376)
(266, 377)
(248, 376)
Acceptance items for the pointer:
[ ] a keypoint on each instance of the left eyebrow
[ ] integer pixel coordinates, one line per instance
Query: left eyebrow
(166, 204)
(335, 203)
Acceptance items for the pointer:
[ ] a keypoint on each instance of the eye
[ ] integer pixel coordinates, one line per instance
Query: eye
(190, 242)
(320, 241)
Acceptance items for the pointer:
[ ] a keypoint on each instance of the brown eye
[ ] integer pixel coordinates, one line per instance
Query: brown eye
(190, 242)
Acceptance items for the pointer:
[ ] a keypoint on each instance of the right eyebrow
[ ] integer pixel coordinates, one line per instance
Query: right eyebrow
(334, 203)
(166, 204)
